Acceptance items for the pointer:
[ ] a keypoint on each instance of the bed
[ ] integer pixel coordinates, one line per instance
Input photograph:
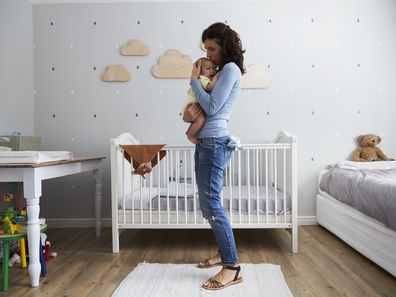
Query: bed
(357, 202)
(259, 188)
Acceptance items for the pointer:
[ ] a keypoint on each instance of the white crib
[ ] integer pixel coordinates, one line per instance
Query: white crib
(259, 191)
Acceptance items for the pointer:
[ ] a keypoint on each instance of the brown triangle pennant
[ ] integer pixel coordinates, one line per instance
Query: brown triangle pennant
(144, 156)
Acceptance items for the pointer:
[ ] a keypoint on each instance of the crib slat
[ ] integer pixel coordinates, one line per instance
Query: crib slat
(284, 185)
(239, 187)
(260, 162)
(177, 185)
(194, 184)
(248, 180)
(123, 187)
(132, 196)
(159, 187)
(150, 189)
(141, 202)
(230, 180)
(266, 184)
(276, 185)
(168, 180)
(185, 184)
(257, 186)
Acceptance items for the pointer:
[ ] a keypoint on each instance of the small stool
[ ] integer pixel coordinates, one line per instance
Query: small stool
(5, 238)
(6, 255)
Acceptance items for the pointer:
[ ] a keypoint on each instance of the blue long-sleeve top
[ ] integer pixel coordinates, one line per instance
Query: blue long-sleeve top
(218, 103)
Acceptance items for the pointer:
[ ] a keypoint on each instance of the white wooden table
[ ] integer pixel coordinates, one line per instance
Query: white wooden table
(32, 176)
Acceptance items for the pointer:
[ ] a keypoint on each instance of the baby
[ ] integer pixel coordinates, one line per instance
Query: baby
(208, 78)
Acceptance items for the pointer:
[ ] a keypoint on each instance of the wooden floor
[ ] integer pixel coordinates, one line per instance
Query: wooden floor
(85, 266)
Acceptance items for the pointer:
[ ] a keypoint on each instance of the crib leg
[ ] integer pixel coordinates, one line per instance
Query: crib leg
(294, 239)
(116, 240)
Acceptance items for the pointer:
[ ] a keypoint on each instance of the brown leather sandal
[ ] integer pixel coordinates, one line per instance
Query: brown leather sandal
(216, 285)
(206, 264)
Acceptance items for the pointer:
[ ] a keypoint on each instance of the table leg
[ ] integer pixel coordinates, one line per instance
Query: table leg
(98, 200)
(32, 190)
(33, 233)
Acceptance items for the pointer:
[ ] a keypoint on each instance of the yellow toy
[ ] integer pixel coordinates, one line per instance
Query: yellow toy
(10, 228)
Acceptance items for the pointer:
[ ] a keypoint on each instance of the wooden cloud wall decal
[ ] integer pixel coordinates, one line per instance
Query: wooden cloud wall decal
(135, 48)
(116, 73)
(256, 78)
(173, 65)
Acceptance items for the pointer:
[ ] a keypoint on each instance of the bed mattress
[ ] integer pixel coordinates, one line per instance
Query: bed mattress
(368, 187)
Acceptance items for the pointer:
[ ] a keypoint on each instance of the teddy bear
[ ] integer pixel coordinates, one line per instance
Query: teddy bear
(368, 152)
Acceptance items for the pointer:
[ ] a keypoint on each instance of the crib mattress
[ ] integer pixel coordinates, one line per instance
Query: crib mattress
(244, 200)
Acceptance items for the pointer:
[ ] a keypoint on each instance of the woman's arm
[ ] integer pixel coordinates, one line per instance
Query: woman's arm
(209, 87)
(211, 103)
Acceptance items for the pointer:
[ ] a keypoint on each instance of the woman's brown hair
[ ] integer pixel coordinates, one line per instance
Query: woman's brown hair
(228, 39)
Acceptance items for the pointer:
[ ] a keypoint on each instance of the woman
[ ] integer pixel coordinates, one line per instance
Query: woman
(224, 49)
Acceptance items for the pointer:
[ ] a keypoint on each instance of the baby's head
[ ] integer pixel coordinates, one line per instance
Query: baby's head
(207, 67)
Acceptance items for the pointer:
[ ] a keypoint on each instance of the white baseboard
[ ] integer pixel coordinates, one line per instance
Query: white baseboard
(307, 220)
(106, 222)
(76, 223)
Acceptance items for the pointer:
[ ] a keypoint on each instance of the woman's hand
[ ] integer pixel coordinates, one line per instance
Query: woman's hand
(196, 69)
(191, 112)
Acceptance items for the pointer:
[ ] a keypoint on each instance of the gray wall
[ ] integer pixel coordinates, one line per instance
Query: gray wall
(332, 64)
(16, 67)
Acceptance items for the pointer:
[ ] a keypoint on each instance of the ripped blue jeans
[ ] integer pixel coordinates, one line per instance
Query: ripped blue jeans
(211, 157)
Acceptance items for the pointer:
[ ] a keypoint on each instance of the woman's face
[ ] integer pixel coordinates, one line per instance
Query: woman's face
(213, 51)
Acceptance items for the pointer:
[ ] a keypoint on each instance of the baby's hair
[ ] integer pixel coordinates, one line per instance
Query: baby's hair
(204, 59)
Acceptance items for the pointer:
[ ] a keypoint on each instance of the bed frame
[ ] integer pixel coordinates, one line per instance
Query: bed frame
(267, 171)
(365, 234)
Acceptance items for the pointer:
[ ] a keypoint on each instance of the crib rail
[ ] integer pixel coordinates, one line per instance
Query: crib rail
(259, 189)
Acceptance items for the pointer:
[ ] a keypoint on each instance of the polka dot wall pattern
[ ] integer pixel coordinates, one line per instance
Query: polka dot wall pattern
(326, 76)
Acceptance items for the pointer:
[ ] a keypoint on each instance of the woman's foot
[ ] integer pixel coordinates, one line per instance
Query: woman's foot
(211, 262)
(228, 276)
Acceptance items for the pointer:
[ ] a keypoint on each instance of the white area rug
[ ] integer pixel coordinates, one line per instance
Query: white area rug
(185, 280)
